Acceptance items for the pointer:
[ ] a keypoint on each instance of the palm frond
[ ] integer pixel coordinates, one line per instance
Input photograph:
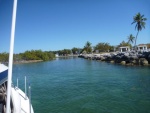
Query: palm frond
(144, 19)
(133, 22)
(143, 24)
(142, 16)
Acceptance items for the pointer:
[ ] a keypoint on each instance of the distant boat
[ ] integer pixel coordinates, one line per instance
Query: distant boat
(12, 99)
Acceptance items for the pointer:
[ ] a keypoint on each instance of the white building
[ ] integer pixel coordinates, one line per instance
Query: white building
(124, 49)
(56, 55)
(142, 47)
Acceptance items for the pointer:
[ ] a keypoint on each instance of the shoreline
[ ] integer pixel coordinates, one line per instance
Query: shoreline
(35, 61)
(67, 56)
(27, 61)
(123, 58)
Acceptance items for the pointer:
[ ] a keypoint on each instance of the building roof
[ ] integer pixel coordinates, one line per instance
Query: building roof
(125, 47)
(142, 45)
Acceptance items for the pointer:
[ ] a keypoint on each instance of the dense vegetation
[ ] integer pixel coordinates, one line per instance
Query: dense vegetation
(29, 55)
(4, 57)
(63, 52)
(104, 47)
(123, 43)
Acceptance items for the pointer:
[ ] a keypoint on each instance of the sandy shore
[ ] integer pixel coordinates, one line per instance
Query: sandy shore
(27, 61)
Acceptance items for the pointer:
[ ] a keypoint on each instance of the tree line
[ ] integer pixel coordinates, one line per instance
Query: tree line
(50, 55)
(29, 55)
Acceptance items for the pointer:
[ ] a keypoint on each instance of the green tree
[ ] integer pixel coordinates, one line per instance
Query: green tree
(123, 43)
(88, 47)
(75, 50)
(112, 48)
(37, 55)
(66, 52)
(17, 57)
(44, 56)
(51, 55)
(131, 38)
(29, 55)
(4, 57)
(63, 52)
(102, 47)
(140, 23)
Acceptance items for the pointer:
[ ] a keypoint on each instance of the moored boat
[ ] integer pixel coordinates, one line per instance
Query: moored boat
(19, 101)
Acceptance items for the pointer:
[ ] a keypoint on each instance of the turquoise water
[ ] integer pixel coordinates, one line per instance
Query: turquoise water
(82, 86)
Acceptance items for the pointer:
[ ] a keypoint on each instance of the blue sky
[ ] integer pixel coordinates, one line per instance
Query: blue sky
(64, 24)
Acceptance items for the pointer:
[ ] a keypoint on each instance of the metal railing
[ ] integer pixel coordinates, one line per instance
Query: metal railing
(29, 92)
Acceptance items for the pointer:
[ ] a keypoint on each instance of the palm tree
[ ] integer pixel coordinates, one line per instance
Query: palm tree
(131, 38)
(88, 47)
(140, 23)
(88, 44)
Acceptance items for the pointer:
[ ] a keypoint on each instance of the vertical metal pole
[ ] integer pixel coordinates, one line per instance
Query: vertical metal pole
(29, 98)
(25, 89)
(11, 56)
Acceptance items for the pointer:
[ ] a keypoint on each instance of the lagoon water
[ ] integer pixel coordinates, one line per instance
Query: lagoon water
(77, 85)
